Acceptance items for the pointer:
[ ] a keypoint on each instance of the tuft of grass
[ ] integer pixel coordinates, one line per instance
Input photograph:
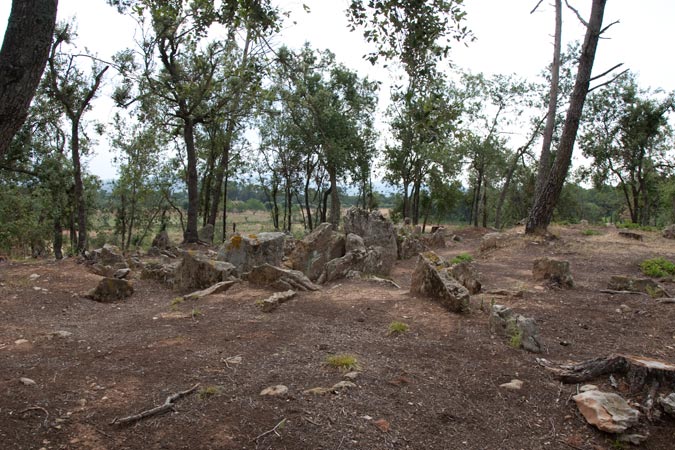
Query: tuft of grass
(195, 313)
(516, 335)
(209, 391)
(657, 267)
(636, 226)
(462, 257)
(398, 327)
(175, 302)
(343, 362)
(591, 232)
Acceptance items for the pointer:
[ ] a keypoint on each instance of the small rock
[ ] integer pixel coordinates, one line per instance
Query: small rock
(343, 385)
(556, 271)
(21, 341)
(317, 391)
(513, 385)
(27, 381)
(352, 375)
(588, 387)
(635, 439)
(273, 302)
(275, 391)
(61, 334)
(122, 273)
(382, 424)
(33, 276)
(607, 411)
(668, 404)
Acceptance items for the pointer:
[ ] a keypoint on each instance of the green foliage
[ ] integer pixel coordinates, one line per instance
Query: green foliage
(343, 362)
(398, 327)
(591, 232)
(657, 267)
(515, 334)
(462, 257)
(206, 392)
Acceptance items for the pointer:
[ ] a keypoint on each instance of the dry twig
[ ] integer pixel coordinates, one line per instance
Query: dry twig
(161, 409)
(38, 408)
(273, 430)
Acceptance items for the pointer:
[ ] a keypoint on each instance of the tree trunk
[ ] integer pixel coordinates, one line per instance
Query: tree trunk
(225, 205)
(545, 157)
(485, 211)
(23, 56)
(191, 233)
(221, 171)
(79, 188)
(334, 199)
(544, 204)
(308, 207)
(58, 239)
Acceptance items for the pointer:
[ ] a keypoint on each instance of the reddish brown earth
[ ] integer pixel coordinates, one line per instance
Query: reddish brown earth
(434, 387)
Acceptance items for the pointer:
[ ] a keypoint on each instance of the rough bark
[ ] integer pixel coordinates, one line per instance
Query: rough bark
(23, 56)
(542, 210)
(545, 157)
(191, 232)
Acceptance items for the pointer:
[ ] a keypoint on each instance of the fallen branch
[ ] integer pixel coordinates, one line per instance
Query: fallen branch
(273, 430)
(665, 300)
(161, 409)
(38, 408)
(612, 291)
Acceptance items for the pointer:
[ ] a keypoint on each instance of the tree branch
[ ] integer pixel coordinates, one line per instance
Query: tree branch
(607, 82)
(607, 27)
(581, 19)
(606, 72)
(535, 8)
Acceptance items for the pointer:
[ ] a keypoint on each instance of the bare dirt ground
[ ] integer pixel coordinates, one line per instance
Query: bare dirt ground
(434, 387)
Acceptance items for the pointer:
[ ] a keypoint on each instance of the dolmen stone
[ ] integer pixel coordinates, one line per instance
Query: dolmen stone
(246, 251)
(433, 278)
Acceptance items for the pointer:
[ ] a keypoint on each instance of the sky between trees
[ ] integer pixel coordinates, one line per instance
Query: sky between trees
(508, 40)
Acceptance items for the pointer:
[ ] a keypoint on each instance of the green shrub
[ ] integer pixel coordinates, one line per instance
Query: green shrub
(590, 232)
(398, 327)
(343, 362)
(657, 267)
(462, 257)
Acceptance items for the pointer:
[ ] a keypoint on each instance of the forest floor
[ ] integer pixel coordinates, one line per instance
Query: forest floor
(436, 386)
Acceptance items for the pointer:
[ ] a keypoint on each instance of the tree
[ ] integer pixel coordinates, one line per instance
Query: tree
(418, 34)
(74, 91)
(627, 136)
(544, 203)
(22, 60)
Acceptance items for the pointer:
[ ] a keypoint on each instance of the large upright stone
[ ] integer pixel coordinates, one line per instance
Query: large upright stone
(377, 232)
(248, 251)
(197, 271)
(554, 270)
(279, 278)
(466, 273)
(206, 233)
(433, 279)
(669, 232)
(311, 254)
(110, 290)
(162, 241)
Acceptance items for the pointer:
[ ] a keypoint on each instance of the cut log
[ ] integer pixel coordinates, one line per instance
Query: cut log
(639, 371)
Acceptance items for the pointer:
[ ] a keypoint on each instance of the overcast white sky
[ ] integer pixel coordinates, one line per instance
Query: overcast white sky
(509, 40)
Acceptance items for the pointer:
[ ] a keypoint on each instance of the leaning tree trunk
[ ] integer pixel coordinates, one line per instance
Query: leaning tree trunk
(545, 157)
(23, 56)
(78, 191)
(542, 210)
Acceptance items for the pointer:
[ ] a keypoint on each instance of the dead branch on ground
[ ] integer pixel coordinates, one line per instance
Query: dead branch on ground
(161, 409)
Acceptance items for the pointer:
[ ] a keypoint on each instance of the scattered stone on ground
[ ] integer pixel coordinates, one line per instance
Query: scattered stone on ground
(60, 334)
(631, 235)
(271, 303)
(633, 439)
(513, 385)
(21, 342)
(333, 389)
(645, 285)
(352, 375)
(27, 381)
(197, 271)
(215, 289)
(522, 331)
(554, 270)
(432, 279)
(382, 424)
(275, 391)
(607, 411)
(668, 404)
(311, 254)
(122, 273)
(588, 387)
(492, 241)
(280, 278)
(246, 251)
(356, 275)
(110, 290)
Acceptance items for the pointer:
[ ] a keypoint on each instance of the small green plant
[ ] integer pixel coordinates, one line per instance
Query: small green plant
(657, 267)
(617, 445)
(209, 391)
(176, 302)
(462, 257)
(195, 313)
(343, 362)
(515, 333)
(398, 327)
(590, 232)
